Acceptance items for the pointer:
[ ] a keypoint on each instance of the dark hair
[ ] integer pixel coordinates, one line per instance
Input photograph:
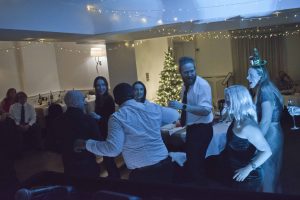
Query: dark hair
(19, 95)
(265, 84)
(104, 80)
(123, 92)
(145, 91)
(9, 91)
(184, 60)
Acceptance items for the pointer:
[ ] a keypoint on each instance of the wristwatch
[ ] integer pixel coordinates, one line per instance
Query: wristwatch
(183, 107)
(253, 165)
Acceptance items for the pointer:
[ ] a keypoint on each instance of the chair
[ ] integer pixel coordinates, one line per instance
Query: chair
(44, 193)
(54, 111)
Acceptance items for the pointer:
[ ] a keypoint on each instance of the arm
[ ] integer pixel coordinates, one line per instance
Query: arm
(13, 114)
(32, 118)
(169, 115)
(255, 137)
(198, 110)
(267, 111)
(114, 143)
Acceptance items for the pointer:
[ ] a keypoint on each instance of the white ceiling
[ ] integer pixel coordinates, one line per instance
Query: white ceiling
(119, 20)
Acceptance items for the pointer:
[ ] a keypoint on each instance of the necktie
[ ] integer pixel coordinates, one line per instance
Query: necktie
(22, 115)
(183, 112)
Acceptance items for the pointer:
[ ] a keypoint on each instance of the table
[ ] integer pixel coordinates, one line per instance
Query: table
(175, 137)
(42, 110)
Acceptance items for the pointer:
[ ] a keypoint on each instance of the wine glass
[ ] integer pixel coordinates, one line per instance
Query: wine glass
(291, 103)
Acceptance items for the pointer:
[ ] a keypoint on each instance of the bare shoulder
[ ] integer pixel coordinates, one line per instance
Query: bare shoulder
(251, 128)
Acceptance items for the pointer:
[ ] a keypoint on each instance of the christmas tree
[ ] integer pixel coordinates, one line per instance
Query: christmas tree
(170, 81)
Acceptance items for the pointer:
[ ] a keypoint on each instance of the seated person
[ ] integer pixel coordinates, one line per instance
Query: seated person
(140, 96)
(8, 101)
(285, 83)
(246, 148)
(134, 131)
(139, 91)
(24, 116)
(73, 125)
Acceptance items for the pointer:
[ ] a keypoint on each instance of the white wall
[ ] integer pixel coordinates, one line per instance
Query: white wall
(8, 68)
(39, 69)
(121, 64)
(293, 58)
(150, 59)
(76, 67)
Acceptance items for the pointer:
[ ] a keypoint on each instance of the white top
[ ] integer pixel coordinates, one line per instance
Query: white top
(15, 113)
(134, 130)
(199, 94)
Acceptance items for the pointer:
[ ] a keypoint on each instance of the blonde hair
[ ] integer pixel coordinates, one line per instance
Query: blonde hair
(241, 104)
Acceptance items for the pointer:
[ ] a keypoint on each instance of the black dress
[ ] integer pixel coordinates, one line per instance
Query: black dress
(105, 106)
(239, 153)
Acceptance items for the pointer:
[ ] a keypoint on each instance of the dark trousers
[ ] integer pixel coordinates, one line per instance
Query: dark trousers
(161, 172)
(30, 138)
(198, 137)
(111, 167)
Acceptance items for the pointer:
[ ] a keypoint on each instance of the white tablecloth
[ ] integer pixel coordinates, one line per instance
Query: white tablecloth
(216, 145)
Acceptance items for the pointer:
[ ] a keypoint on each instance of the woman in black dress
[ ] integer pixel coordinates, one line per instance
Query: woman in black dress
(246, 148)
(104, 107)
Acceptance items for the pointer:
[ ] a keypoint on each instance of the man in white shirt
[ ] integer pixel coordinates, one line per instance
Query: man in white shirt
(134, 131)
(24, 115)
(197, 115)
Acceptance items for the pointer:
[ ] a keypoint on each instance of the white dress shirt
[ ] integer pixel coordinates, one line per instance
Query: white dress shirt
(134, 130)
(15, 113)
(199, 94)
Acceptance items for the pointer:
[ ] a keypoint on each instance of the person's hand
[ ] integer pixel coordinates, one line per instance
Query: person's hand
(95, 116)
(242, 173)
(175, 104)
(79, 145)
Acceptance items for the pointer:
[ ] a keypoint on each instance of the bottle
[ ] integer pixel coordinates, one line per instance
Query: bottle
(51, 97)
(40, 100)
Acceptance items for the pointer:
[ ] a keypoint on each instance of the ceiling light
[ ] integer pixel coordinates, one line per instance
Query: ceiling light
(144, 20)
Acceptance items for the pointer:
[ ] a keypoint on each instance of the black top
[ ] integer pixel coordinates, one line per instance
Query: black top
(240, 151)
(72, 125)
(104, 106)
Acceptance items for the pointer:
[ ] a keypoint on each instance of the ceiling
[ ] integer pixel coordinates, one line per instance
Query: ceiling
(106, 21)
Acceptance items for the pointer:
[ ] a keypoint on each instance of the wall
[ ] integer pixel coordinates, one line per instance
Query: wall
(76, 67)
(8, 68)
(293, 60)
(39, 69)
(121, 64)
(213, 61)
(150, 59)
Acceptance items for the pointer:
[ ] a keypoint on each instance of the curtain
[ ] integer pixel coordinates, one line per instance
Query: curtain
(270, 49)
